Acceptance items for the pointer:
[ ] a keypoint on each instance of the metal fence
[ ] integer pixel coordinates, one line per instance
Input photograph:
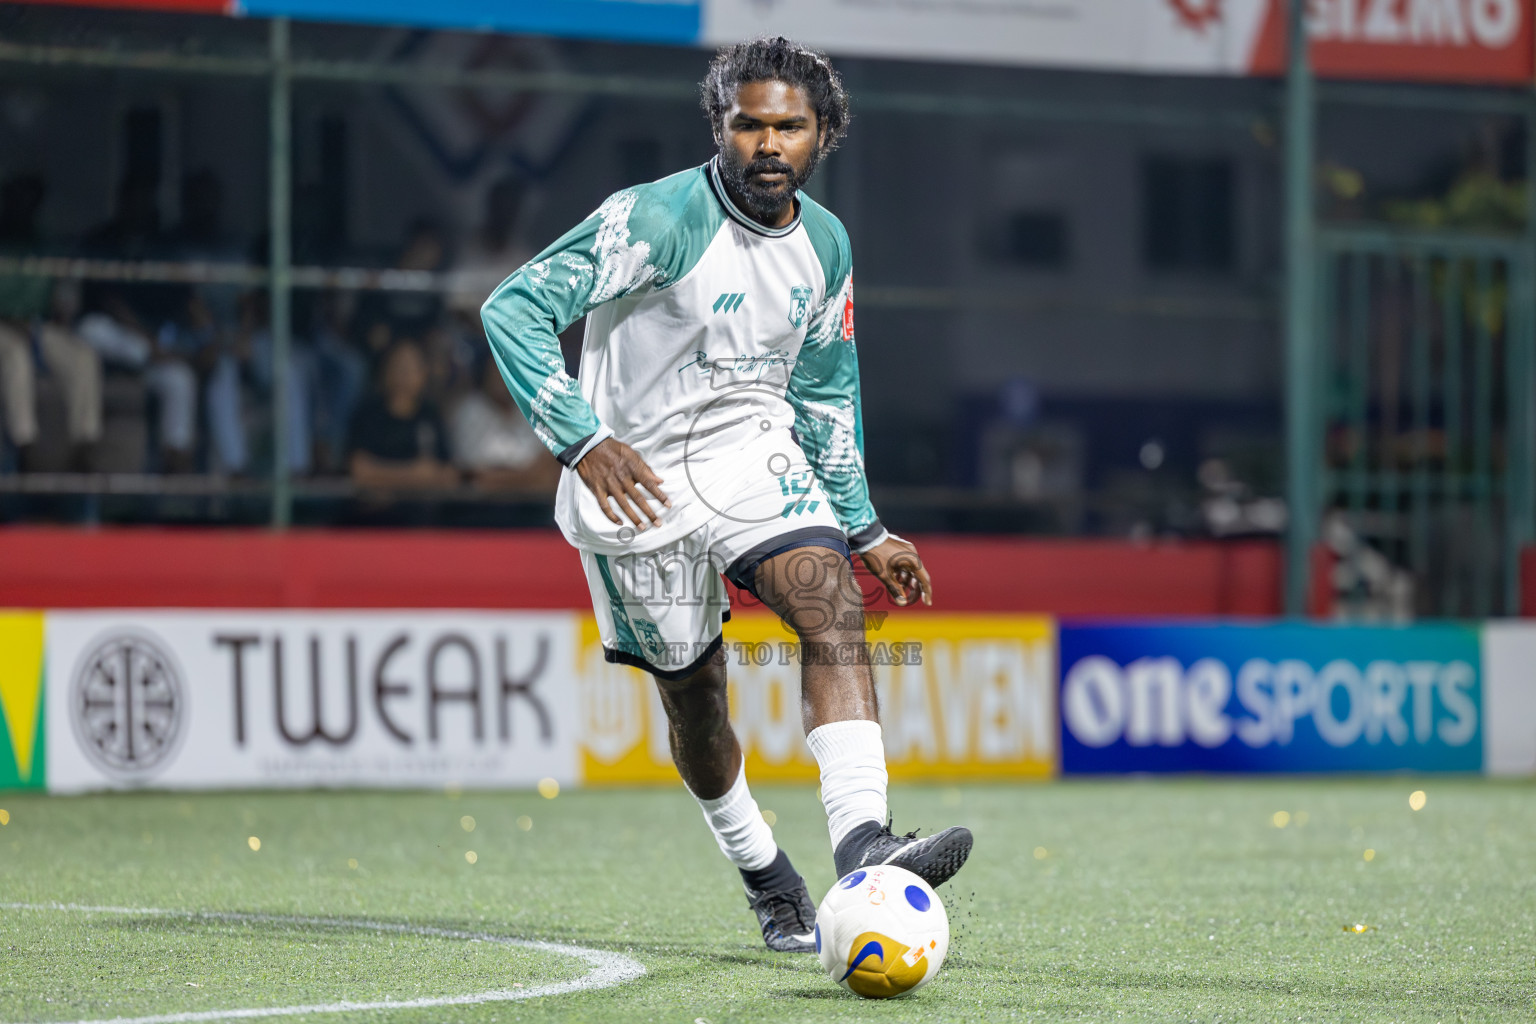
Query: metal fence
(1427, 376)
(1409, 359)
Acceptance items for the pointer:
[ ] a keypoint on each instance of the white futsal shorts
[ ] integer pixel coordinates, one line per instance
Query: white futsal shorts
(662, 610)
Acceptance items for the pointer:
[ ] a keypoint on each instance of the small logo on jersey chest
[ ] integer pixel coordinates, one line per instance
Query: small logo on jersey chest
(799, 305)
(730, 302)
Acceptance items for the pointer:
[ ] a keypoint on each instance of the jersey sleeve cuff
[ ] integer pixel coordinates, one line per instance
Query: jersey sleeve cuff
(872, 536)
(578, 451)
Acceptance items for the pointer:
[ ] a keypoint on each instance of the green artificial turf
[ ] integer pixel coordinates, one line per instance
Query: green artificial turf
(1136, 900)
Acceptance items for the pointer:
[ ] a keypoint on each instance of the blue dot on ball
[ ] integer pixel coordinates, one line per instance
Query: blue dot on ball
(853, 879)
(818, 938)
(917, 898)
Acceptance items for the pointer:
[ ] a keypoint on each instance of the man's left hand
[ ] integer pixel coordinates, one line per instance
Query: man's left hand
(895, 563)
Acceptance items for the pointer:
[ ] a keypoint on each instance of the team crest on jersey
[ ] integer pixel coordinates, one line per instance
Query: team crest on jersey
(649, 637)
(799, 305)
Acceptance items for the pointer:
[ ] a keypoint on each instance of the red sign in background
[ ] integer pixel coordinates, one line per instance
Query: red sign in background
(1408, 40)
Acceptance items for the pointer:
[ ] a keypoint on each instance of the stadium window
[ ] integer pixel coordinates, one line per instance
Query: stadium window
(1187, 213)
(1037, 239)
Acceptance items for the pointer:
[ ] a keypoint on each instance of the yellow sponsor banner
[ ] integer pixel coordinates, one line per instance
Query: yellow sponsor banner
(961, 697)
(21, 699)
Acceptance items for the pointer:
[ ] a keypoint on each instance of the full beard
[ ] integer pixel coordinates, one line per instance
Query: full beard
(760, 201)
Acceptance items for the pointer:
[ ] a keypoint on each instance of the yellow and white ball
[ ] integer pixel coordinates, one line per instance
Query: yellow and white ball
(881, 932)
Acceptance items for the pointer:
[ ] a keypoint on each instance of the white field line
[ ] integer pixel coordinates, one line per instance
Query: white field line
(608, 969)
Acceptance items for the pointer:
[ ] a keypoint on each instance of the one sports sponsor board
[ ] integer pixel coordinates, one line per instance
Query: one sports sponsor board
(961, 696)
(1140, 697)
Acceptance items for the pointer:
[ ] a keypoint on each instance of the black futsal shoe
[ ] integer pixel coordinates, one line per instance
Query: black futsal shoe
(778, 896)
(934, 859)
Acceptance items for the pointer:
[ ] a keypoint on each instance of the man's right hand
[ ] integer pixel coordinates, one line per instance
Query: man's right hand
(615, 473)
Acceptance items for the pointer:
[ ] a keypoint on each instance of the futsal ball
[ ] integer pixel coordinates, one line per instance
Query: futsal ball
(881, 932)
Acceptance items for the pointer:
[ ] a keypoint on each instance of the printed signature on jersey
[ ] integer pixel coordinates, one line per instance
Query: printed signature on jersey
(770, 367)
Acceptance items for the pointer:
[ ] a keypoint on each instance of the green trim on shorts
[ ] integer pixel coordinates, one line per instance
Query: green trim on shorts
(624, 633)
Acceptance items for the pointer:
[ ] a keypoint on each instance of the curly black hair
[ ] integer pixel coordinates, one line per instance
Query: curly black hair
(777, 59)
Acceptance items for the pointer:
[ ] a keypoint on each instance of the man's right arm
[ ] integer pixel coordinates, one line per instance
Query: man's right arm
(592, 263)
(595, 262)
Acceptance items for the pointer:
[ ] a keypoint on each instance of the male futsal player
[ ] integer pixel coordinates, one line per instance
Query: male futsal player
(715, 429)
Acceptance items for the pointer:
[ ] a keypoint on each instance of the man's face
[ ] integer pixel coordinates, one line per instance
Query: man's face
(769, 145)
(405, 375)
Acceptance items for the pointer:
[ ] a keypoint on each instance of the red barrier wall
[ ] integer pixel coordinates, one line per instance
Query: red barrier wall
(130, 568)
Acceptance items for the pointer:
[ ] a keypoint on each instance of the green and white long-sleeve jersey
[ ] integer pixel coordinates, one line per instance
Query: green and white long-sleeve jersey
(708, 337)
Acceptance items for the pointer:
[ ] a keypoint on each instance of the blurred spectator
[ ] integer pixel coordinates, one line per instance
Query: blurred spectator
(383, 316)
(220, 357)
(135, 327)
(121, 339)
(398, 441)
(493, 252)
(340, 375)
(494, 443)
(34, 328)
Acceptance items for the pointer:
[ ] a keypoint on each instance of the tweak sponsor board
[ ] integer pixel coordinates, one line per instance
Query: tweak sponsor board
(277, 699)
(1147, 697)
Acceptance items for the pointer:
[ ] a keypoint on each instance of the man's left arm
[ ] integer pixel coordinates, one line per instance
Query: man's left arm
(824, 392)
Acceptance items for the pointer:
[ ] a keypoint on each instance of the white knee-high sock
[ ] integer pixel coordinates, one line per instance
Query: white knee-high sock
(853, 777)
(739, 827)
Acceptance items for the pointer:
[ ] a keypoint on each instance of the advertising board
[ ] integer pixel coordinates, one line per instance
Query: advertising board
(282, 699)
(961, 696)
(95, 700)
(1409, 40)
(1509, 699)
(1412, 40)
(23, 744)
(1139, 697)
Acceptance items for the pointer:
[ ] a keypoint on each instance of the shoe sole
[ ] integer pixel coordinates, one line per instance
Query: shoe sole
(940, 859)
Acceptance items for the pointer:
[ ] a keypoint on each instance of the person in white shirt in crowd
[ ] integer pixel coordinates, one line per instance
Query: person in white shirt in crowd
(35, 336)
(493, 443)
(118, 336)
(250, 348)
(29, 335)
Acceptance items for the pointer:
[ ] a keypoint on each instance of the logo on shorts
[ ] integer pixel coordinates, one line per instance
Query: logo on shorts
(795, 486)
(799, 305)
(649, 637)
(128, 704)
